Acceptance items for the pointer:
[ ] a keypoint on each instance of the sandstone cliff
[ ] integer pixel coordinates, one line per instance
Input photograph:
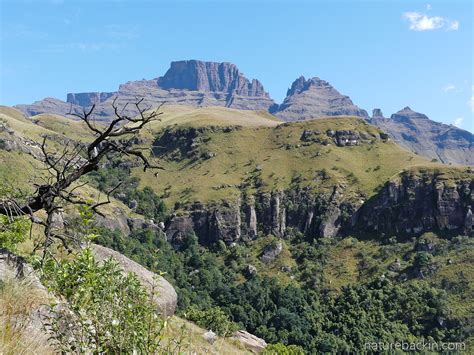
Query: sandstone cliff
(410, 204)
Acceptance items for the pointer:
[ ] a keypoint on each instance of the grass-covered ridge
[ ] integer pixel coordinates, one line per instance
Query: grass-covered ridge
(211, 162)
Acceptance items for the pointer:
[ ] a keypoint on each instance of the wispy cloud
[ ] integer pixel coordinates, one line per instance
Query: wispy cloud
(422, 22)
(458, 121)
(428, 7)
(449, 87)
(453, 26)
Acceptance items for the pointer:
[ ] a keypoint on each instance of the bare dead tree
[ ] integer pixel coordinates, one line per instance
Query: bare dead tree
(77, 159)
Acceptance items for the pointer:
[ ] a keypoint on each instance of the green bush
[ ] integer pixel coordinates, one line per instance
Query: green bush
(13, 231)
(107, 311)
(213, 319)
(281, 349)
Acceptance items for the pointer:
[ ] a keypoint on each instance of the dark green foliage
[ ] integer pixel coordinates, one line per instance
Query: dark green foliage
(302, 313)
(213, 318)
(144, 202)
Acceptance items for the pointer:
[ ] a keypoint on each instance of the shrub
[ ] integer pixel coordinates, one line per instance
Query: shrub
(13, 231)
(213, 319)
(107, 312)
(281, 349)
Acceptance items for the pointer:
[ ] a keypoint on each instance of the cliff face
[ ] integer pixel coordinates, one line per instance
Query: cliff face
(315, 98)
(417, 204)
(196, 75)
(434, 140)
(410, 205)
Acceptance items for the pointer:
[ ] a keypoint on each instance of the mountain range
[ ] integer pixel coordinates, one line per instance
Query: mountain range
(203, 84)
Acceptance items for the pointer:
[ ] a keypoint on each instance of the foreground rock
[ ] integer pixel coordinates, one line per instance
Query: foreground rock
(250, 341)
(165, 295)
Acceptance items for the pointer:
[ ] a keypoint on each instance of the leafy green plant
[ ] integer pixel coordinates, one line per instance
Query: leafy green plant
(107, 311)
(13, 231)
(282, 349)
(213, 318)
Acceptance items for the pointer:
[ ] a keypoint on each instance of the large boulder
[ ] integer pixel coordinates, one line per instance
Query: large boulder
(250, 341)
(165, 298)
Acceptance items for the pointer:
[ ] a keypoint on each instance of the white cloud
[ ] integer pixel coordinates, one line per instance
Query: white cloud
(458, 121)
(422, 22)
(428, 7)
(453, 26)
(449, 87)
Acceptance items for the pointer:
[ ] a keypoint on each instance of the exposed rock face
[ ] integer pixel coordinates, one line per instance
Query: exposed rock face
(250, 341)
(315, 98)
(416, 204)
(377, 113)
(412, 205)
(416, 132)
(87, 99)
(270, 213)
(189, 82)
(347, 138)
(165, 295)
(272, 251)
(196, 75)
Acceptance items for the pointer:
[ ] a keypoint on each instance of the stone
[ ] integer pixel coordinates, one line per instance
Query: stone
(250, 341)
(433, 140)
(313, 98)
(210, 337)
(164, 294)
(377, 113)
(347, 138)
(251, 269)
(271, 251)
(188, 82)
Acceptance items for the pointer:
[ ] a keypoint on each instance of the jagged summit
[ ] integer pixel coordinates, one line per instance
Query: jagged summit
(408, 113)
(434, 140)
(313, 98)
(377, 113)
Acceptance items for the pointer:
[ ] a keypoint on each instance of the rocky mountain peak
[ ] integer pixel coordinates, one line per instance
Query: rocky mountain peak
(313, 98)
(198, 75)
(407, 114)
(377, 113)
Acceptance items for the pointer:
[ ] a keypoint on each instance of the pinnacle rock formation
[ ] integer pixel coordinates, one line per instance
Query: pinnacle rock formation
(315, 98)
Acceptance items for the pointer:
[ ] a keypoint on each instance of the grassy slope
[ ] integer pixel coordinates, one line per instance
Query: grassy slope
(238, 153)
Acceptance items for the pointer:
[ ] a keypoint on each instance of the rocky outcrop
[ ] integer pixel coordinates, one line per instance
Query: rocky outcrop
(434, 140)
(414, 204)
(164, 295)
(377, 113)
(250, 341)
(278, 213)
(195, 75)
(315, 98)
(87, 99)
(410, 204)
(189, 82)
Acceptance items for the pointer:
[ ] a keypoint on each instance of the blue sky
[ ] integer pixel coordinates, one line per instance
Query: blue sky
(386, 54)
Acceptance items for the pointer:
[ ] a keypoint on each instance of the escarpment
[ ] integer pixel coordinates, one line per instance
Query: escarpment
(410, 204)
